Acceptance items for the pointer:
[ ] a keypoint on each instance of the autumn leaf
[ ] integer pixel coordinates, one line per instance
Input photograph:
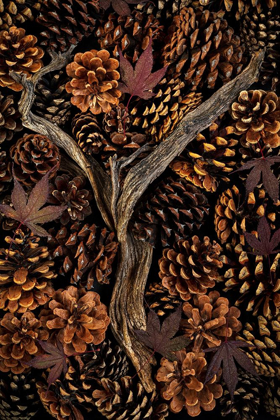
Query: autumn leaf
(264, 244)
(29, 213)
(120, 6)
(227, 354)
(261, 170)
(56, 359)
(140, 81)
(160, 337)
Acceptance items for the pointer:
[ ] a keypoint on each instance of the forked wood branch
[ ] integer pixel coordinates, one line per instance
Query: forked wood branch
(117, 206)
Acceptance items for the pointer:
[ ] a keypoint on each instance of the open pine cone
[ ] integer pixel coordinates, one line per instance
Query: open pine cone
(9, 118)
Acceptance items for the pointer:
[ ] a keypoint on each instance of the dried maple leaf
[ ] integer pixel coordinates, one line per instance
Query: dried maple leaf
(120, 6)
(160, 337)
(264, 244)
(261, 169)
(140, 81)
(227, 354)
(56, 359)
(28, 213)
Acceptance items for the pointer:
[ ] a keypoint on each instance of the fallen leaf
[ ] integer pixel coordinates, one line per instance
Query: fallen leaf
(261, 170)
(120, 6)
(264, 244)
(160, 337)
(227, 354)
(140, 81)
(29, 213)
(56, 359)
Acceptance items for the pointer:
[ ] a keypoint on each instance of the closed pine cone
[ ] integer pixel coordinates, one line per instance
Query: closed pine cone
(86, 252)
(256, 116)
(25, 280)
(127, 399)
(87, 131)
(20, 54)
(190, 267)
(160, 300)
(33, 157)
(171, 210)
(70, 192)
(18, 340)
(184, 385)
(209, 158)
(5, 171)
(94, 81)
(209, 319)
(271, 398)
(9, 118)
(78, 318)
(14, 12)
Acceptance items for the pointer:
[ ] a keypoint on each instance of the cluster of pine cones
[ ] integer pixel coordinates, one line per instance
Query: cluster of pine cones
(198, 216)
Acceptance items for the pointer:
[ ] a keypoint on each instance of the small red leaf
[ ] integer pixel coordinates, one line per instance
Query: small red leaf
(265, 245)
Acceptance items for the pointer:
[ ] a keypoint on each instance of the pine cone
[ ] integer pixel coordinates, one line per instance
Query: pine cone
(52, 101)
(247, 397)
(33, 156)
(172, 209)
(166, 8)
(127, 399)
(25, 274)
(14, 12)
(18, 336)
(67, 22)
(254, 277)
(263, 334)
(19, 53)
(87, 131)
(117, 120)
(94, 81)
(256, 116)
(184, 385)
(209, 158)
(271, 399)
(9, 118)
(5, 171)
(262, 30)
(122, 144)
(202, 47)
(242, 7)
(190, 267)
(18, 397)
(209, 320)
(85, 252)
(70, 192)
(79, 318)
(160, 300)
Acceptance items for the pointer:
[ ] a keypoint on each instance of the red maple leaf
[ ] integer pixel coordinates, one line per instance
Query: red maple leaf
(120, 6)
(29, 213)
(264, 244)
(227, 354)
(261, 169)
(160, 337)
(140, 81)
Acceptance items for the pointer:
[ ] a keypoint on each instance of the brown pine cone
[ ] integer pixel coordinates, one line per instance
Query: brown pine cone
(18, 396)
(264, 336)
(166, 8)
(9, 118)
(256, 116)
(183, 384)
(79, 319)
(127, 399)
(122, 144)
(202, 47)
(242, 7)
(190, 267)
(33, 156)
(256, 278)
(160, 300)
(271, 398)
(262, 30)
(25, 274)
(14, 12)
(117, 120)
(247, 397)
(5, 171)
(19, 53)
(94, 81)
(209, 158)
(209, 320)
(18, 336)
(66, 22)
(52, 102)
(171, 210)
(70, 192)
(86, 252)
(87, 131)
